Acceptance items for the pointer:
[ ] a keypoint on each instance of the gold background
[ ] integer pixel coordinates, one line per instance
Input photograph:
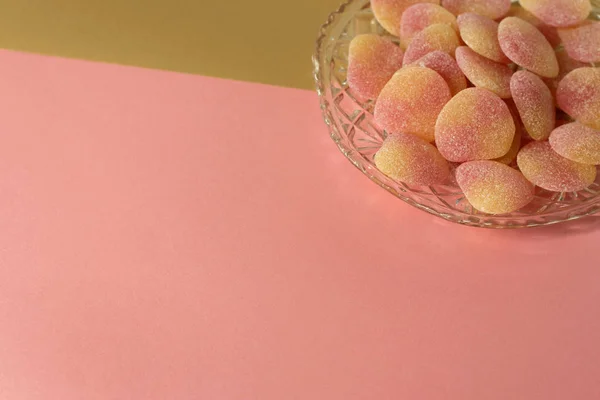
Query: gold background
(265, 41)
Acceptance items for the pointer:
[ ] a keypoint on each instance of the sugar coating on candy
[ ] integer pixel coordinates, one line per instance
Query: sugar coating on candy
(410, 159)
(420, 16)
(535, 104)
(511, 156)
(577, 142)
(440, 37)
(559, 13)
(481, 35)
(494, 188)
(493, 9)
(578, 95)
(411, 102)
(582, 43)
(475, 125)
(446, 66)
(483, 72)
(565, 65)
(548, 31)
(389, 12)
(545, 168)
(372, 61)
(525, 45)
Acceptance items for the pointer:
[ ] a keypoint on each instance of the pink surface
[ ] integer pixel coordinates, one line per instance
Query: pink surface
(167, 236)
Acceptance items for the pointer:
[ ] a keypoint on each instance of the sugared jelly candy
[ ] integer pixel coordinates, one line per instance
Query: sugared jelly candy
(578, 95)
(494, 188)
(525, 45)
(582, 43)
(483, 72)
(389, 12)
(481, 35)
(372, 61)
(435, 37)
(444, 64)
(559, 13)
(577, 142)
(548, 31)
(535, 104)
(545, 168)
(410, 159)
(475, 125)
(420, 16)
(411, 102)
(493, 9)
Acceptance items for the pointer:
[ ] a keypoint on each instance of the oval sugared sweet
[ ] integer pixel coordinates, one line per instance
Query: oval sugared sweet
(372, 61)
(446, 66)
(545, 168)
(582, 43)
(577, 142)
(578, 95)
(481, 35)
(440, 37)
(494, 188)
(535, 104)
(411, 102)
(410, 159)
(475, 125)
(493, 9)
(484, 73)
(389, 12)
(559, 13)
(420, 16)
(525, 45)
(548, 31)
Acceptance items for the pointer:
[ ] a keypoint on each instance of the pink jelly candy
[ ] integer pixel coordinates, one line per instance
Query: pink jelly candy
(577, 142)
(483, 72)
(440, 37)
(481, 35)
(535, 104)
(578, 95)
(420, 16)
(372, 61)
(524, 44)
(493, 9)
(411, 102)
(582, 43)
(444, 64)
(410, 159)
(389, 12)
(494, 188)
(548, 31)
(475, 125)
(545, 168)
(559, 13)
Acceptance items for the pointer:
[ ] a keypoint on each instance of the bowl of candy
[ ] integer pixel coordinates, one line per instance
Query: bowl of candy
(485, 113)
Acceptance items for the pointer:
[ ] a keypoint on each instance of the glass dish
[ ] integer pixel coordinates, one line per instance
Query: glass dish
(352, 128)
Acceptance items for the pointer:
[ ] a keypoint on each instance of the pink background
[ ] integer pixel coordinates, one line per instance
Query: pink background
(168, 236)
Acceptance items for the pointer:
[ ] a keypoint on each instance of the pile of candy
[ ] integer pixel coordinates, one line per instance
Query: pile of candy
(498, 97)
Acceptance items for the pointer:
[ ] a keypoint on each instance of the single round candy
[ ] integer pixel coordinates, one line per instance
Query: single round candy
(410, 159)
(525, 45)
(475, 125)
(420, 16)
(411, 102)
(545, 168)
(435, 37)
(481, 35)
(493, 9)
(483, 72)
(548, 31)
(565, 65)
(389, 12)
(582, 43)
(446, 66)
(578, 95)
(494, 188)
(372, 61)
(577, 142)
(535, 104)
(511, 156)
(559, 13)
